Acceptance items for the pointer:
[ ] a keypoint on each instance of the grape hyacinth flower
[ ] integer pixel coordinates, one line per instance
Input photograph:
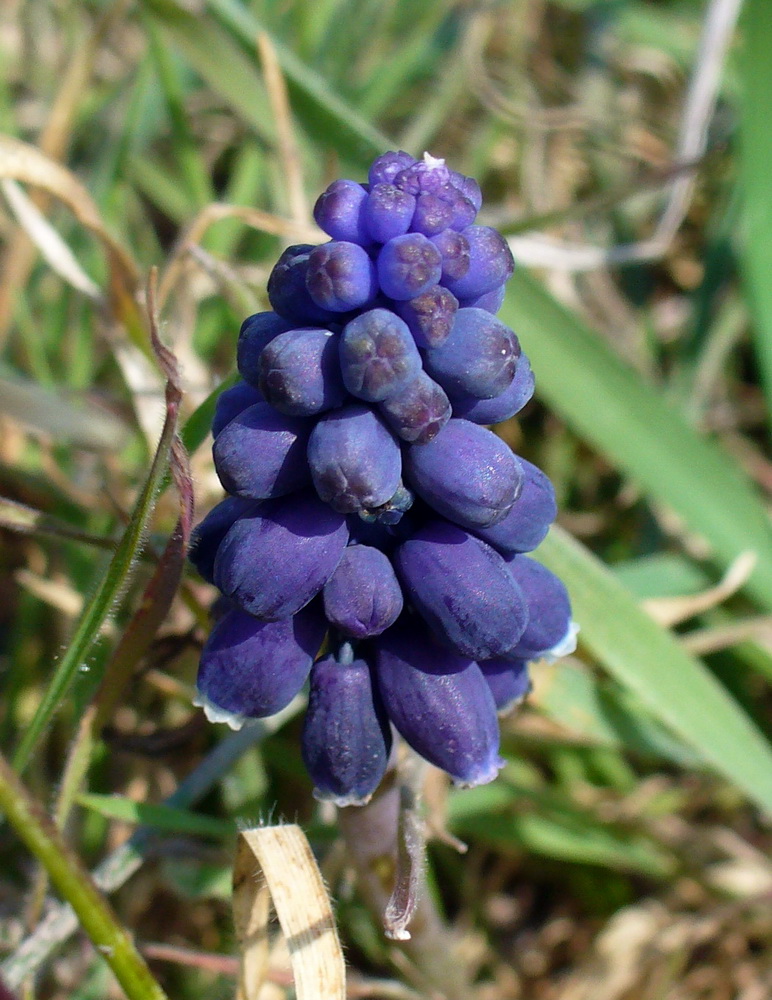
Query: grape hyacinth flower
(372, 541)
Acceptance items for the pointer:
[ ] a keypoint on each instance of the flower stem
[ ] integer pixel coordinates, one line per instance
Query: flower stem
(39, 833)
(371, 835)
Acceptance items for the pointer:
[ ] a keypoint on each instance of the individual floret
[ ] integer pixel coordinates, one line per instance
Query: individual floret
(362, 597)
(408, 266)
(299, 373)
(378, 356)
(479, 358)
(339, 212)
(341, 277)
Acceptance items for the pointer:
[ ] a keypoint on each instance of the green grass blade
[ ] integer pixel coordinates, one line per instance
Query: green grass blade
(676, 688)
(158, 817)
(610, 406)
(754, 161)
(335, 123)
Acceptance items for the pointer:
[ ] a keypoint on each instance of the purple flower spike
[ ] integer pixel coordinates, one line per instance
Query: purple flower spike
(354, 460)
(254, 669)
(299, 374)
(346, 736)
(378, 356)
(529, 519)
(466, 473)
(490, 263)
(341, 277)
(509, 682)
(233, 401)
(440, 703)
(463, 589)
(408, 266)
(272, 563)
(549, 608)
(261, 453)
(338, 211)
(362, 597)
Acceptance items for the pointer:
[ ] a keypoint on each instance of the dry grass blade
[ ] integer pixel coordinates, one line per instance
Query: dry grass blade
(670, 611)
(275, 863)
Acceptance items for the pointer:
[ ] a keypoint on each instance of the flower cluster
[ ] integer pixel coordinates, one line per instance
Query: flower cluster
(371, 513)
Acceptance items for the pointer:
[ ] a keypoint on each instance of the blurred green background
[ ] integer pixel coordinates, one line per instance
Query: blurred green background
(625, 146)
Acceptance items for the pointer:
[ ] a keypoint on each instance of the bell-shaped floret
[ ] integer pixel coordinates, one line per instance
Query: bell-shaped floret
(465, 473)
(385, 167)
(440, 703)
(529, 519)
(433, 213)
(233, 401)
(388, 212)
(454, 250)
(418, 413)
(206, 537)
(549, 609)
(256, 331)
(341, 276)
(508, 680)
(501, 407)
(273, 562)
(363, 596)
(346, 736)
(490, 263)
(262, 453)
(254, 669)
(408, 266)
(430, 316)
(288, 293)
(479, 357)
(463, 589)
(468, 187)
(378, 356)
(338, 211)
(489, 301)
(354, 460)
(299, 373)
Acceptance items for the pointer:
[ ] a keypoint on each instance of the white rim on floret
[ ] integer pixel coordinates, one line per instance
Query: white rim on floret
(215, 713)
(564, 646)
(341, 800)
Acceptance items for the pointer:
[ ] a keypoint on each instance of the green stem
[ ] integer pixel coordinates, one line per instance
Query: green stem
(74, 883)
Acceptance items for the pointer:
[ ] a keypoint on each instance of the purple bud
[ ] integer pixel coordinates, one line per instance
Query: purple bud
(440, 703)
(355, 461)
(466, 474)
(468, 187)
(385, 168)
(388, 212)
(288, 293)
(478, 358)
(429, 316)
(549, 608)
(341, 277)
(272, 563)
(419, 412)
(454, 250)
(233, 401)
(463, 589)
(408, 266)
(490, 263)
(299, 374)
(261, 453)
(256, 332)
(489, 301)
(429, 175)
(346, 736)
(362, 597)
(378, 356)
(253, 668)
(508, 680)
(432, 214)
(501, 407)
(206, 537)
(528, 521)
(338, 211)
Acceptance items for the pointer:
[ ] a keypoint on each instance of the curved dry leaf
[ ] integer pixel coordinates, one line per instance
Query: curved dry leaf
(669, 611)
(275, 863)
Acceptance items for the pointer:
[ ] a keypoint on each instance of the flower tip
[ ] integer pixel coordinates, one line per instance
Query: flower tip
(432, 162)
(565, 646)
(341, 801)
(215, 713)
(484, 776)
